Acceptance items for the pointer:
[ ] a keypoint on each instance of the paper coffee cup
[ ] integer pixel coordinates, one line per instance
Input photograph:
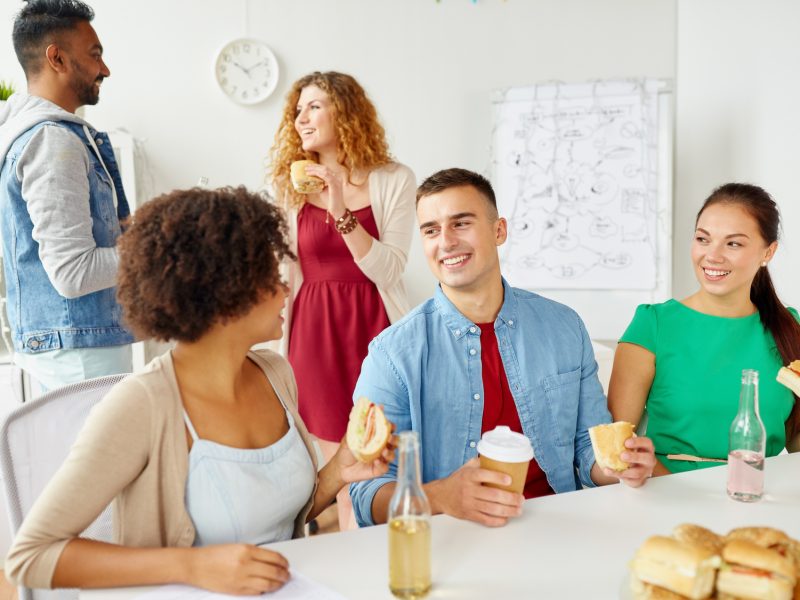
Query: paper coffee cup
(508, 452)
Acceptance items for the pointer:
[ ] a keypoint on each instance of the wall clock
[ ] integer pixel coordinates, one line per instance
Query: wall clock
(246, 70)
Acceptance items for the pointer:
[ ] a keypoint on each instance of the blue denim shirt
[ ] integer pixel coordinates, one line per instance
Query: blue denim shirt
(426, 372)
(42, 319)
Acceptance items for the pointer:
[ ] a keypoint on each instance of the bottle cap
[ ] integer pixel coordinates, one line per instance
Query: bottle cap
(504, 445)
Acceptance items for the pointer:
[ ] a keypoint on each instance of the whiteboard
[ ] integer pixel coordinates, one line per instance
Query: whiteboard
(583, 173)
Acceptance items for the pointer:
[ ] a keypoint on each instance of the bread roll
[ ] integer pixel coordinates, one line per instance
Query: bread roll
(680, 568)
(608, 442)
(699, 536)
(303, 183)
(368, 431)
(752, 571)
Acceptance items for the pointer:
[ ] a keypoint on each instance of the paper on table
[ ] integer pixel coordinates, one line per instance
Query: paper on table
(298, 588)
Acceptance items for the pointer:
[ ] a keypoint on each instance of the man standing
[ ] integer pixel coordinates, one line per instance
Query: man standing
(481, 354)
(61, 203)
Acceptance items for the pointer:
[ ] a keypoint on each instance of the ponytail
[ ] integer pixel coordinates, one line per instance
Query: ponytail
(785, 330)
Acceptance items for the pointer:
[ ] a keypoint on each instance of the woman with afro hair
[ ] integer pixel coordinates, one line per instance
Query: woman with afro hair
(203, 455)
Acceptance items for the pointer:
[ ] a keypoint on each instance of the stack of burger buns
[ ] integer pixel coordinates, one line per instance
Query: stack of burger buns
(750, 563)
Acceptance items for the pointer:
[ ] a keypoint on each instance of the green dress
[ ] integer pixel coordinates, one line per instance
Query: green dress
(695, 392)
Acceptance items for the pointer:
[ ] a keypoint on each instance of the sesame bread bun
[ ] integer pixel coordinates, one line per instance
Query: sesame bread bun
(699, 536)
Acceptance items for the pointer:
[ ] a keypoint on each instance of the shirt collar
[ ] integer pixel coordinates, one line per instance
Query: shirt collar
(459, 325)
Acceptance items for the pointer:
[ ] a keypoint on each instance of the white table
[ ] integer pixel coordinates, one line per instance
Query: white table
(574, 545)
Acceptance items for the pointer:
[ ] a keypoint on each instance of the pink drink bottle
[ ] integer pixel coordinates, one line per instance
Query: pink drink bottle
(746, 445)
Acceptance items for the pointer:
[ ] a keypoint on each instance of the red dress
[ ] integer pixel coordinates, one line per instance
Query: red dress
(336, 314)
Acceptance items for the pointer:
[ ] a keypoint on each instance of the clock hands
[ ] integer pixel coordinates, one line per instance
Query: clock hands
(242, 68)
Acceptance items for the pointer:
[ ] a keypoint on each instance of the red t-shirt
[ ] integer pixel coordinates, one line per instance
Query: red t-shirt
(499, 407)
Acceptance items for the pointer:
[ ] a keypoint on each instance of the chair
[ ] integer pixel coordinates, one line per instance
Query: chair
(34, 441)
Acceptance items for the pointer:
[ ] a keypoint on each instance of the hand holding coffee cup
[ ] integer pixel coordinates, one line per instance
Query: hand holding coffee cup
(507, 452)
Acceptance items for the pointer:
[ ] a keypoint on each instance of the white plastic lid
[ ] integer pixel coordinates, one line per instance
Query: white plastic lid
(505, 445)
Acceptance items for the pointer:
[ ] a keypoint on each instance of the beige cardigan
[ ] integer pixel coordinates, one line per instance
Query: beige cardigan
(132, 451)
(393, 193)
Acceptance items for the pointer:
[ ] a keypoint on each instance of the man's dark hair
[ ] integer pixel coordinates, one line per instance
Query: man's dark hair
(37, 25)
(450, 178)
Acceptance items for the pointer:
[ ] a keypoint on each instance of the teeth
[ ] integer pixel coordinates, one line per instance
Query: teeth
(715, 273)
(455, 260)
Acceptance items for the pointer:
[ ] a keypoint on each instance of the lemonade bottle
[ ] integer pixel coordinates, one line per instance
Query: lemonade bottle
(409, 525)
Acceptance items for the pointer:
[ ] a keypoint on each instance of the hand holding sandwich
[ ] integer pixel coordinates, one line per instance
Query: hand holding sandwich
(333, 192)
(620, 455)
(364, 453)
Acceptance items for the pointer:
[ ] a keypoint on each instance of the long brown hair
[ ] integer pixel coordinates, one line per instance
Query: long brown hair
(775, 317)
(361, 137)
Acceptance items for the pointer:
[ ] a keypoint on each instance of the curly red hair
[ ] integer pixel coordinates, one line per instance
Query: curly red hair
(362, 139)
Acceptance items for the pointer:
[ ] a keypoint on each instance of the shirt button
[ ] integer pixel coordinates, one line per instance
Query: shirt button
(458, 332)
(100, 142)
(510, 322)
(472, 444)
(476, 397)
(473, 329)
(33, 343)
(472, 351)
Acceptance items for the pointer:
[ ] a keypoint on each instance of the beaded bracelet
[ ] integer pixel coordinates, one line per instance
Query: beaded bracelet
(346, 223)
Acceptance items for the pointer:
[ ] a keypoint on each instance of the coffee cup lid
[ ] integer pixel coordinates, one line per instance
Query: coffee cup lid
(505, 445)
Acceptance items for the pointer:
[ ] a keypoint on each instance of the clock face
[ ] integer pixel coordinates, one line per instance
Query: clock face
(246, 71)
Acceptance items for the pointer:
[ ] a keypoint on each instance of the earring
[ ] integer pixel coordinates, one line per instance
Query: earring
(763, 263)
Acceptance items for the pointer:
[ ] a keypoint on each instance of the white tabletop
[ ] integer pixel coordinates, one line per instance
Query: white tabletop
(574, 545)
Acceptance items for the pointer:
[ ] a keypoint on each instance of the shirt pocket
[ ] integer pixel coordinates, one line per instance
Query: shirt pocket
(562, 392)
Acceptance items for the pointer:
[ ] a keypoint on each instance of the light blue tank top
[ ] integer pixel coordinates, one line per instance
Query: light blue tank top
(247, 495)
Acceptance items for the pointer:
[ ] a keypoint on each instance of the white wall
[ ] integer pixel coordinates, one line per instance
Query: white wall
(429, 67)
(738, 118)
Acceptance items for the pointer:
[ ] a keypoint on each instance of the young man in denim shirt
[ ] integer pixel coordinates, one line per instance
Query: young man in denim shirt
(61, 203)
(479, 354)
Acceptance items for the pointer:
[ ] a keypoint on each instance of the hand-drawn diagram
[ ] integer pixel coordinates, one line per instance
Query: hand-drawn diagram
(575, 172)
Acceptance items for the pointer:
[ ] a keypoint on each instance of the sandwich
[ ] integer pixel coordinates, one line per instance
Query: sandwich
(790, 377)
(699, 536)
(608, 442)
(368, 431)
(766, 537)
(645, 591)
(302, 182)
(751, 571)
(674, 566)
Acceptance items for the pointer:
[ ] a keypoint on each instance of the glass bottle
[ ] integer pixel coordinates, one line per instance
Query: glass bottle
(409, 525)
(746, 444)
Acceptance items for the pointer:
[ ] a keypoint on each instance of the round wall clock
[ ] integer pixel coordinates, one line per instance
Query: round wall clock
(246, 70)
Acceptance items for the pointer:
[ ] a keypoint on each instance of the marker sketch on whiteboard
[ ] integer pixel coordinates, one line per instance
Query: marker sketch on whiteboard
(575, 169)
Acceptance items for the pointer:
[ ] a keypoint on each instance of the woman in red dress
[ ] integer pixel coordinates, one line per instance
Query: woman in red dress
(351, 240)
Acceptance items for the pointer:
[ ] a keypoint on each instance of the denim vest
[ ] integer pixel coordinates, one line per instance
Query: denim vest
(41, 319)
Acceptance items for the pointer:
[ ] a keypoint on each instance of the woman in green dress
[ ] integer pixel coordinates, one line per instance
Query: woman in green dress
(682, 360)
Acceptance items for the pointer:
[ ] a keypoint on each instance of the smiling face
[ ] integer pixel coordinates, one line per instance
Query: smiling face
(84, 55)
(460, 235)
(315, 120)
(728, 250)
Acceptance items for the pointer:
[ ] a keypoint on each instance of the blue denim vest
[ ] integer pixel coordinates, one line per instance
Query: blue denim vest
(41, 319)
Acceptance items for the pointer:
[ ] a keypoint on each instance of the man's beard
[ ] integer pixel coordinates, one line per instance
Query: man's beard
(83, 89)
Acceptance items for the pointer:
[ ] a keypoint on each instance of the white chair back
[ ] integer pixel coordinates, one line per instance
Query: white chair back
(34, 441)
